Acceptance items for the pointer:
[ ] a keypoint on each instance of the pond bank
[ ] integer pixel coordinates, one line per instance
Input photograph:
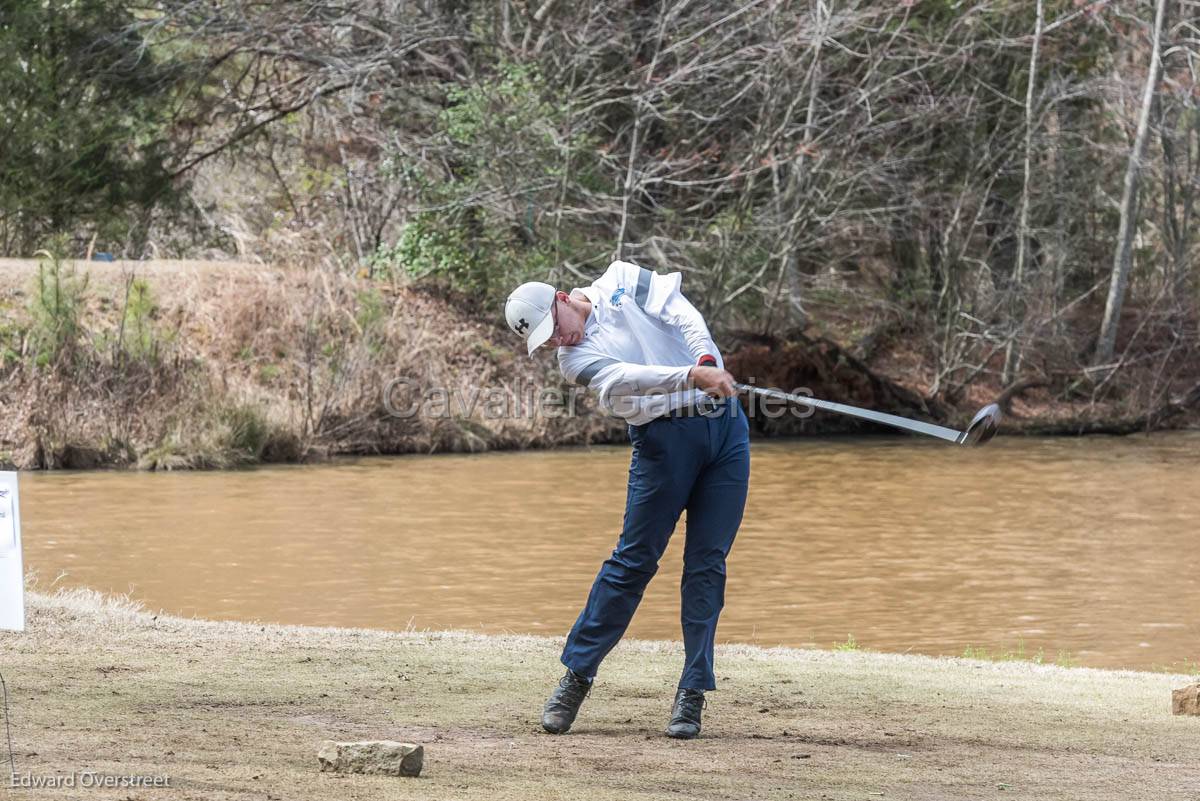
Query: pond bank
(236, 710)
(167, 365)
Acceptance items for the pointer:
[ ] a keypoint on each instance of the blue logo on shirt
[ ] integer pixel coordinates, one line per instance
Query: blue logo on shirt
(616, 296)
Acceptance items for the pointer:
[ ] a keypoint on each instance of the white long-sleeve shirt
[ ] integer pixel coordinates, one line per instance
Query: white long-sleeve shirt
(639, 343)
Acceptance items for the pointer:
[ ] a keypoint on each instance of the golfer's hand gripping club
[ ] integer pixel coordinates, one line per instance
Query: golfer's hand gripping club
(713, 381)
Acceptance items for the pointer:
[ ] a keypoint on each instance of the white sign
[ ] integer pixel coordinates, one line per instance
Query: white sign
(12, 577)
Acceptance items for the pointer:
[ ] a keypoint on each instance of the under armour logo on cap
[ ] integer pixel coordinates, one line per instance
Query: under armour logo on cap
(522, 324)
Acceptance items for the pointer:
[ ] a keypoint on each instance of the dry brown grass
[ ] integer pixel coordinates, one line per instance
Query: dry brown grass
(234, 710)
(261, 364)
(251, 363)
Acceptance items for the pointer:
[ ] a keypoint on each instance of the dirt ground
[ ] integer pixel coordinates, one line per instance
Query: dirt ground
(238, 711)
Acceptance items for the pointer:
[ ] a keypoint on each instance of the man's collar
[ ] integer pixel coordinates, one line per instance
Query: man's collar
(593, 296)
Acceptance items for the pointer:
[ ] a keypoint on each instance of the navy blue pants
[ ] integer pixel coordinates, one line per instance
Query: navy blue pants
(701, 464)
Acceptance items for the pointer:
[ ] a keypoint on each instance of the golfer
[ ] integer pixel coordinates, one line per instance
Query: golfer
(636, 341)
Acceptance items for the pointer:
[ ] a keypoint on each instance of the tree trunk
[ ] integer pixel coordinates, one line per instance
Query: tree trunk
(1012, 353)
(1123, 258)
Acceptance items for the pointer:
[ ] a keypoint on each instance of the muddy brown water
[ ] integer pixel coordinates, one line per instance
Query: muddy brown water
(1083, 549)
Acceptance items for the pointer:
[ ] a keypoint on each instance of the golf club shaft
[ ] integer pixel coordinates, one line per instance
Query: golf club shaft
(929, 429)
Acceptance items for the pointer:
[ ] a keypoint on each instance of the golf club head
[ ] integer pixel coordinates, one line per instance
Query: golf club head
(983, 426)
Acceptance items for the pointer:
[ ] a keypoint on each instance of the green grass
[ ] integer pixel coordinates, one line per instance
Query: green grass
(1187, 667)
(850, 644)
(1019, 654)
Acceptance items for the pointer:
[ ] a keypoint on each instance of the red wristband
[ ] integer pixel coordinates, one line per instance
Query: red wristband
(707, 361)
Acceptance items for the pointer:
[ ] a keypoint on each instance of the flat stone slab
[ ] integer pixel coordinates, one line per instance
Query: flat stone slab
(381, 757)
(1186, 700)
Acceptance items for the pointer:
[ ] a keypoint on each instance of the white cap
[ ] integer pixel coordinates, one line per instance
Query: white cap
(527, 311)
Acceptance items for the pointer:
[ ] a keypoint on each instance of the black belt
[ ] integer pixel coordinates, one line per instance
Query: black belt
(708, 406)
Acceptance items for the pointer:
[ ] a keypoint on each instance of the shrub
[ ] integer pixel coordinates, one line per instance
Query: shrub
(138, 338)
(56, 307)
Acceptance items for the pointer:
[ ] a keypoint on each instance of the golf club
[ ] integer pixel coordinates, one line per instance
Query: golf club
(982, 428)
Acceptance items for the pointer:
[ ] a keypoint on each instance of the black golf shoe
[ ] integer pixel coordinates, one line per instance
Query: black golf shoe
(563, 705)
(685, 717)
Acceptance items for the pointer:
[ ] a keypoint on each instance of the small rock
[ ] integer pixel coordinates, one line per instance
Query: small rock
(1186, 700)
(372, 757)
